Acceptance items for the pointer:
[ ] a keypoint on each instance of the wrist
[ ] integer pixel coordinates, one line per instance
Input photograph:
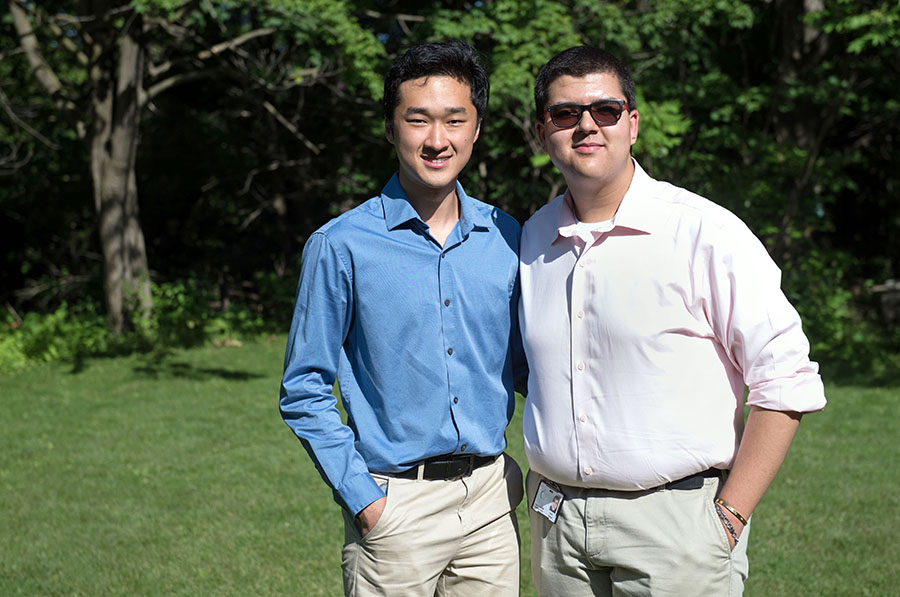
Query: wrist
(735, 514)
(733, 528)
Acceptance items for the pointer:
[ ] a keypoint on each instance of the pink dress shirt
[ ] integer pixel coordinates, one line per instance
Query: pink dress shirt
(642, 340)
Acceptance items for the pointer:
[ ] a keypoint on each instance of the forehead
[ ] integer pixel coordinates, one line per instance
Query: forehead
(438, 91)
(584, 90)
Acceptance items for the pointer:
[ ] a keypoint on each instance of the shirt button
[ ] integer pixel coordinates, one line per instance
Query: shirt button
(449, 351)
(443, 255)
(582, 418)
(446, 302)
(580, 366)
(455, 400)
(580, 315)
(588, 470)
(463, 447)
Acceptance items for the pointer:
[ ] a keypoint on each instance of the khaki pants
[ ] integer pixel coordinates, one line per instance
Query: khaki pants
(658, 542)
(446, 538)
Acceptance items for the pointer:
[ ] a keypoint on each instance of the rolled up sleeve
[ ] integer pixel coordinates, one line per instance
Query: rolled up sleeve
(758, 326)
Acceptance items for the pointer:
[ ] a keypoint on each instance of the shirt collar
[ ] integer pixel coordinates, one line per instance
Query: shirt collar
(398, 210)
(636, 211)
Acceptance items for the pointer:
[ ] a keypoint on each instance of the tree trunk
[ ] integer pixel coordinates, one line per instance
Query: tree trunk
(116, 76)
(113, 145)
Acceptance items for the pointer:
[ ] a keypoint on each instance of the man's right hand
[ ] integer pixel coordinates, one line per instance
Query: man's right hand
(370, 515)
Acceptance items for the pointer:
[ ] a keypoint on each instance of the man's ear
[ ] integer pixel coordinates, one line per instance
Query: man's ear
(633, 121)
(389, 131)
(541, 129)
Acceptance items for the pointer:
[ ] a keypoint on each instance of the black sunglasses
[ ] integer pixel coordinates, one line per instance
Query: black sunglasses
(605, 112)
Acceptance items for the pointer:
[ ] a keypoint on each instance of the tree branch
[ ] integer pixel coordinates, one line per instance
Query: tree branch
(42, 71)
(29, 44)
(10, 164)
(271, 167)
(172, 81)
(399, 16)
(68, 44)
(24, 125)
(290, 126)
(232, 44)
(113, 12)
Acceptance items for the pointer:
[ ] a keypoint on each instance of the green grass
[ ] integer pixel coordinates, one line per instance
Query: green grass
(174, 474)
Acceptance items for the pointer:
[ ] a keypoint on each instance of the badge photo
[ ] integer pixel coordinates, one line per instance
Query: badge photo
(547, 501)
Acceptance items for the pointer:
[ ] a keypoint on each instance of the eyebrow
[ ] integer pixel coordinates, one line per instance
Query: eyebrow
(452, 110)
(602, 99)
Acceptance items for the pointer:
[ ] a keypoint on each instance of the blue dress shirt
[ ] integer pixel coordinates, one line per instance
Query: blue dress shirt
(422, 339)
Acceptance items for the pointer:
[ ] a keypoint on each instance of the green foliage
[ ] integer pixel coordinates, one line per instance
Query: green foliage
(191, 314)
(788, 118)
(662, 127)
(185, 315)
(868, 27)
(818, 287)
(67, 333)
(181, 312)
(338, 32)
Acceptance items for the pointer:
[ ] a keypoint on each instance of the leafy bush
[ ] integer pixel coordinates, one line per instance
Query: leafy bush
(185, 314)
(180, 314)
(63, 334)
(843, 330)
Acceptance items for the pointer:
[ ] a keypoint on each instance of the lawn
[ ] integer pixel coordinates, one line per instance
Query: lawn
(174, 475)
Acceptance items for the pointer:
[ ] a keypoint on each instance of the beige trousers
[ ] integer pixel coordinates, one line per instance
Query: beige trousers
(445, 538)
(658, 542)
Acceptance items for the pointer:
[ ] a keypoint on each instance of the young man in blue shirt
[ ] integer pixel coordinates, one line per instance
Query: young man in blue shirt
(410, 302)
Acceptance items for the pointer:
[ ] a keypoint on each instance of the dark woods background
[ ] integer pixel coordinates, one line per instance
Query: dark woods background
(162, 162)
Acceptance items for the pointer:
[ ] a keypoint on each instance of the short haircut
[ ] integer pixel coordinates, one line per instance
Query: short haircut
(454, 58)
(581, 61)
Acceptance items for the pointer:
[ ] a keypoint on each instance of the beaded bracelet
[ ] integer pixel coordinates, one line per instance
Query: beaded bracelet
(727, 524)
(731, 509)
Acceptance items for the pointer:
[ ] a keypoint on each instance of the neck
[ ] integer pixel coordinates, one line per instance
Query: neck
(439, 210)
(598, 201)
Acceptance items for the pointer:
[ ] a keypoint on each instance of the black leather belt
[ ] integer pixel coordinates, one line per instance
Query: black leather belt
(694, 481)
(443, 468)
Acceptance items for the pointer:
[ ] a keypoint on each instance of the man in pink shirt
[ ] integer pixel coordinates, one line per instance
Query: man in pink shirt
(646, 311)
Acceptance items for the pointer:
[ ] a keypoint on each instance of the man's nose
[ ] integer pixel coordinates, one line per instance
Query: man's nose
(586, 122)
(437, 137)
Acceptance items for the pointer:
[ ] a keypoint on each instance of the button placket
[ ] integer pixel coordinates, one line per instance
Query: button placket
(578, 331)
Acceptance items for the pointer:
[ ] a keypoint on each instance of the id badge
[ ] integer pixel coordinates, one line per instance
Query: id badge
(548, 500)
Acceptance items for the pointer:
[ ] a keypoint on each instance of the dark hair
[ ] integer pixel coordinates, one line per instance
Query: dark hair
(581, 61)
(455, 59)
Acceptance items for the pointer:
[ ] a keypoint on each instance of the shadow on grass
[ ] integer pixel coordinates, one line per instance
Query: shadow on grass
(158, 365)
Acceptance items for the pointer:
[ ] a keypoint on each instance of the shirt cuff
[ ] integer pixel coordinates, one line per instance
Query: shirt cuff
(359, 491)
(803, 394)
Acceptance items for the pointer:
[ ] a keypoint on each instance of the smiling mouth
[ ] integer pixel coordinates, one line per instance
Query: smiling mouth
(436, 161)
